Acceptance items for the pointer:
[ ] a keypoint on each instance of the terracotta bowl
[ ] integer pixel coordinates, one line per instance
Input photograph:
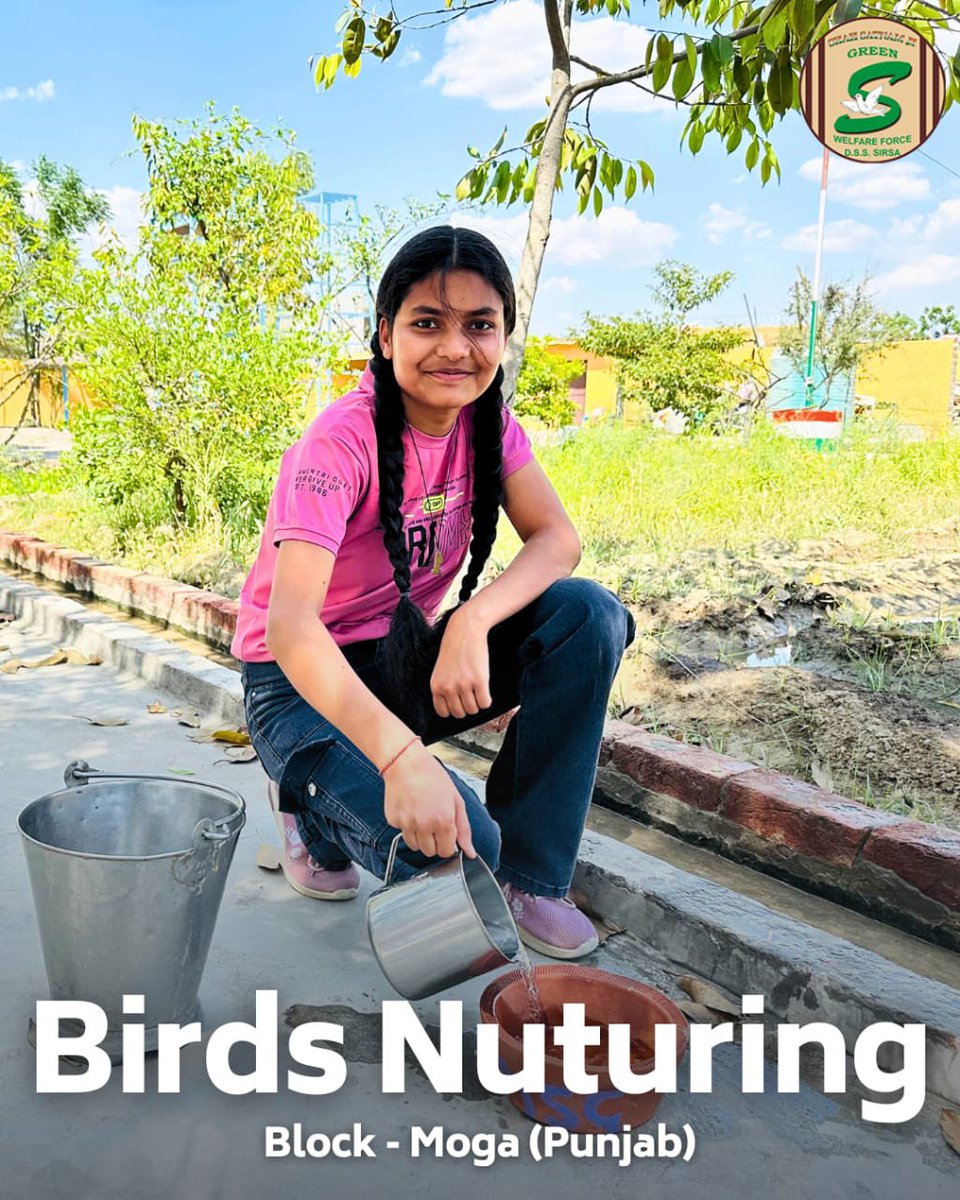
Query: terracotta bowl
(608, 999)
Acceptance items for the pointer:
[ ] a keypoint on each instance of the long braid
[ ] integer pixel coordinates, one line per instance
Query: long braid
(487, 481)
(411, 647)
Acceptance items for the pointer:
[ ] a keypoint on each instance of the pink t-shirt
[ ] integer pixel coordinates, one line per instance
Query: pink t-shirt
(328, 493)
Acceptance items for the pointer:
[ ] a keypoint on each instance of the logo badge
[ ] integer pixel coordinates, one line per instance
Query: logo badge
(872, 90)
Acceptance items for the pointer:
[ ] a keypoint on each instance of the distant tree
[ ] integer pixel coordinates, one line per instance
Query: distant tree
(735, 72)
(849, 325)
(38, 259)
(904, 328)
(199, 343)
(937, 321)
(665, 362)
(543, 389)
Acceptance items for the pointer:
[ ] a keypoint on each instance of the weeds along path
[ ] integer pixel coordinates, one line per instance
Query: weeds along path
(818, 659)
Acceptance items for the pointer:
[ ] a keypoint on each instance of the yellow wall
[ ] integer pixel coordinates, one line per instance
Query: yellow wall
(14, 396)
(914, 378)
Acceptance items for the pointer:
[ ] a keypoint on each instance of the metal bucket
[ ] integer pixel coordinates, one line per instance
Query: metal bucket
(127, 873)
(448, 924)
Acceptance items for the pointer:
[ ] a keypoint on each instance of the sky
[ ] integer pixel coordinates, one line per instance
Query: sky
(69, 84)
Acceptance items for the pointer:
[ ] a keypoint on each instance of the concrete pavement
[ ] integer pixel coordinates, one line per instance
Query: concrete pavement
(202, 1143)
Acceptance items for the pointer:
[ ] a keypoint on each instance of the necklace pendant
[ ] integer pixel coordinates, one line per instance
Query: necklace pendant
(433, 504)
(437, 563)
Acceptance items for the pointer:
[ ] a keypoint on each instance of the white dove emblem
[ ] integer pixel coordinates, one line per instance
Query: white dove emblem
(864, 106)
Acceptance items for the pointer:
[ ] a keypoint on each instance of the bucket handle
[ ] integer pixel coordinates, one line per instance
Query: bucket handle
(78, 773)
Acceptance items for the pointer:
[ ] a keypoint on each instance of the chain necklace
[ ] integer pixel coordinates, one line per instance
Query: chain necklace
(438, 501)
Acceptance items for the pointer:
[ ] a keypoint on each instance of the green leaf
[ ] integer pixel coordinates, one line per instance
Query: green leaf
(691, 47)
(753, 153)
(661, 73)
(695, 137)
(597, 202)
(353, 39)
(319, 71)
(710, 67)
(723, 49)
(734, 138)
(682, 79)
(741, 76)
(846, 10)
(664, 48)
(646, 174)
(465, 186)
(765, 169)
(330, 69)
(802, 16)
(631, 184)
(774, 29)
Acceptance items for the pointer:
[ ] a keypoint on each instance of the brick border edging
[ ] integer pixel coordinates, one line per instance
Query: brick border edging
(796, 828)
(888, 863)
(191, 609)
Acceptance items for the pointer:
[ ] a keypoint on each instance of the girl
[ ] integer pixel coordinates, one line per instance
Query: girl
(347, 679)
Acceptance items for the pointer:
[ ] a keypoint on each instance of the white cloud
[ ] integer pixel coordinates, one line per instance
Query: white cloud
(931, 271)
(502, 57)
(562, 285)
(19, 166)
(838, 236)
(617, 238)
(945, 217)
(126, 216)
(722, 221)
(870, 185)
(411, 57)
(42, 91)
(126, 209)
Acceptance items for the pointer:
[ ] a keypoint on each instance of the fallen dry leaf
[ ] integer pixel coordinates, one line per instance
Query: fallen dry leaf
(706, 994)
(106, 722)
(238, 754)
(698, 1012)
(76, 659)
(49, 660)
(268, 858)
(11, 666)
(190, 719)
(156, 707)
(236, 737)
(950, 1128)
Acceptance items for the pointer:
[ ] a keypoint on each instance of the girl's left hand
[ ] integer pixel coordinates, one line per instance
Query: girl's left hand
(460, 682)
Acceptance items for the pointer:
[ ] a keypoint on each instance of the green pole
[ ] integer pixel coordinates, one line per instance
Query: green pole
(808, 389)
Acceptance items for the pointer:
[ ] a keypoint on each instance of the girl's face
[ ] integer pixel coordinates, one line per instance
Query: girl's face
(445, 349)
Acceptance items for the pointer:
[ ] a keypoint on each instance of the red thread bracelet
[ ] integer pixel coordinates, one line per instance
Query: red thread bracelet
(385, 769)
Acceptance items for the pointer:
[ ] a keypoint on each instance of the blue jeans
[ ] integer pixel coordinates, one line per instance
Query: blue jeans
(556, 659)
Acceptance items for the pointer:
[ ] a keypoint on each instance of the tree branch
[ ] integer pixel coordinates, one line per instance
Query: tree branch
(610, 80)
(558, 42)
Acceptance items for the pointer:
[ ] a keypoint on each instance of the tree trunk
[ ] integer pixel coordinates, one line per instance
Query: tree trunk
(541, 207)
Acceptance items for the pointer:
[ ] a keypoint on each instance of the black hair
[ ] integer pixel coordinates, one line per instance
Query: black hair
(412, 644)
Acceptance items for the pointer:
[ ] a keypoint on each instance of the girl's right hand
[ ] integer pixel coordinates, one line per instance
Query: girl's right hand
(420, 800)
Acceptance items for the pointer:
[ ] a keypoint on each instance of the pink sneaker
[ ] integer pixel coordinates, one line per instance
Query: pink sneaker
(551, 925)
(301, 872)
